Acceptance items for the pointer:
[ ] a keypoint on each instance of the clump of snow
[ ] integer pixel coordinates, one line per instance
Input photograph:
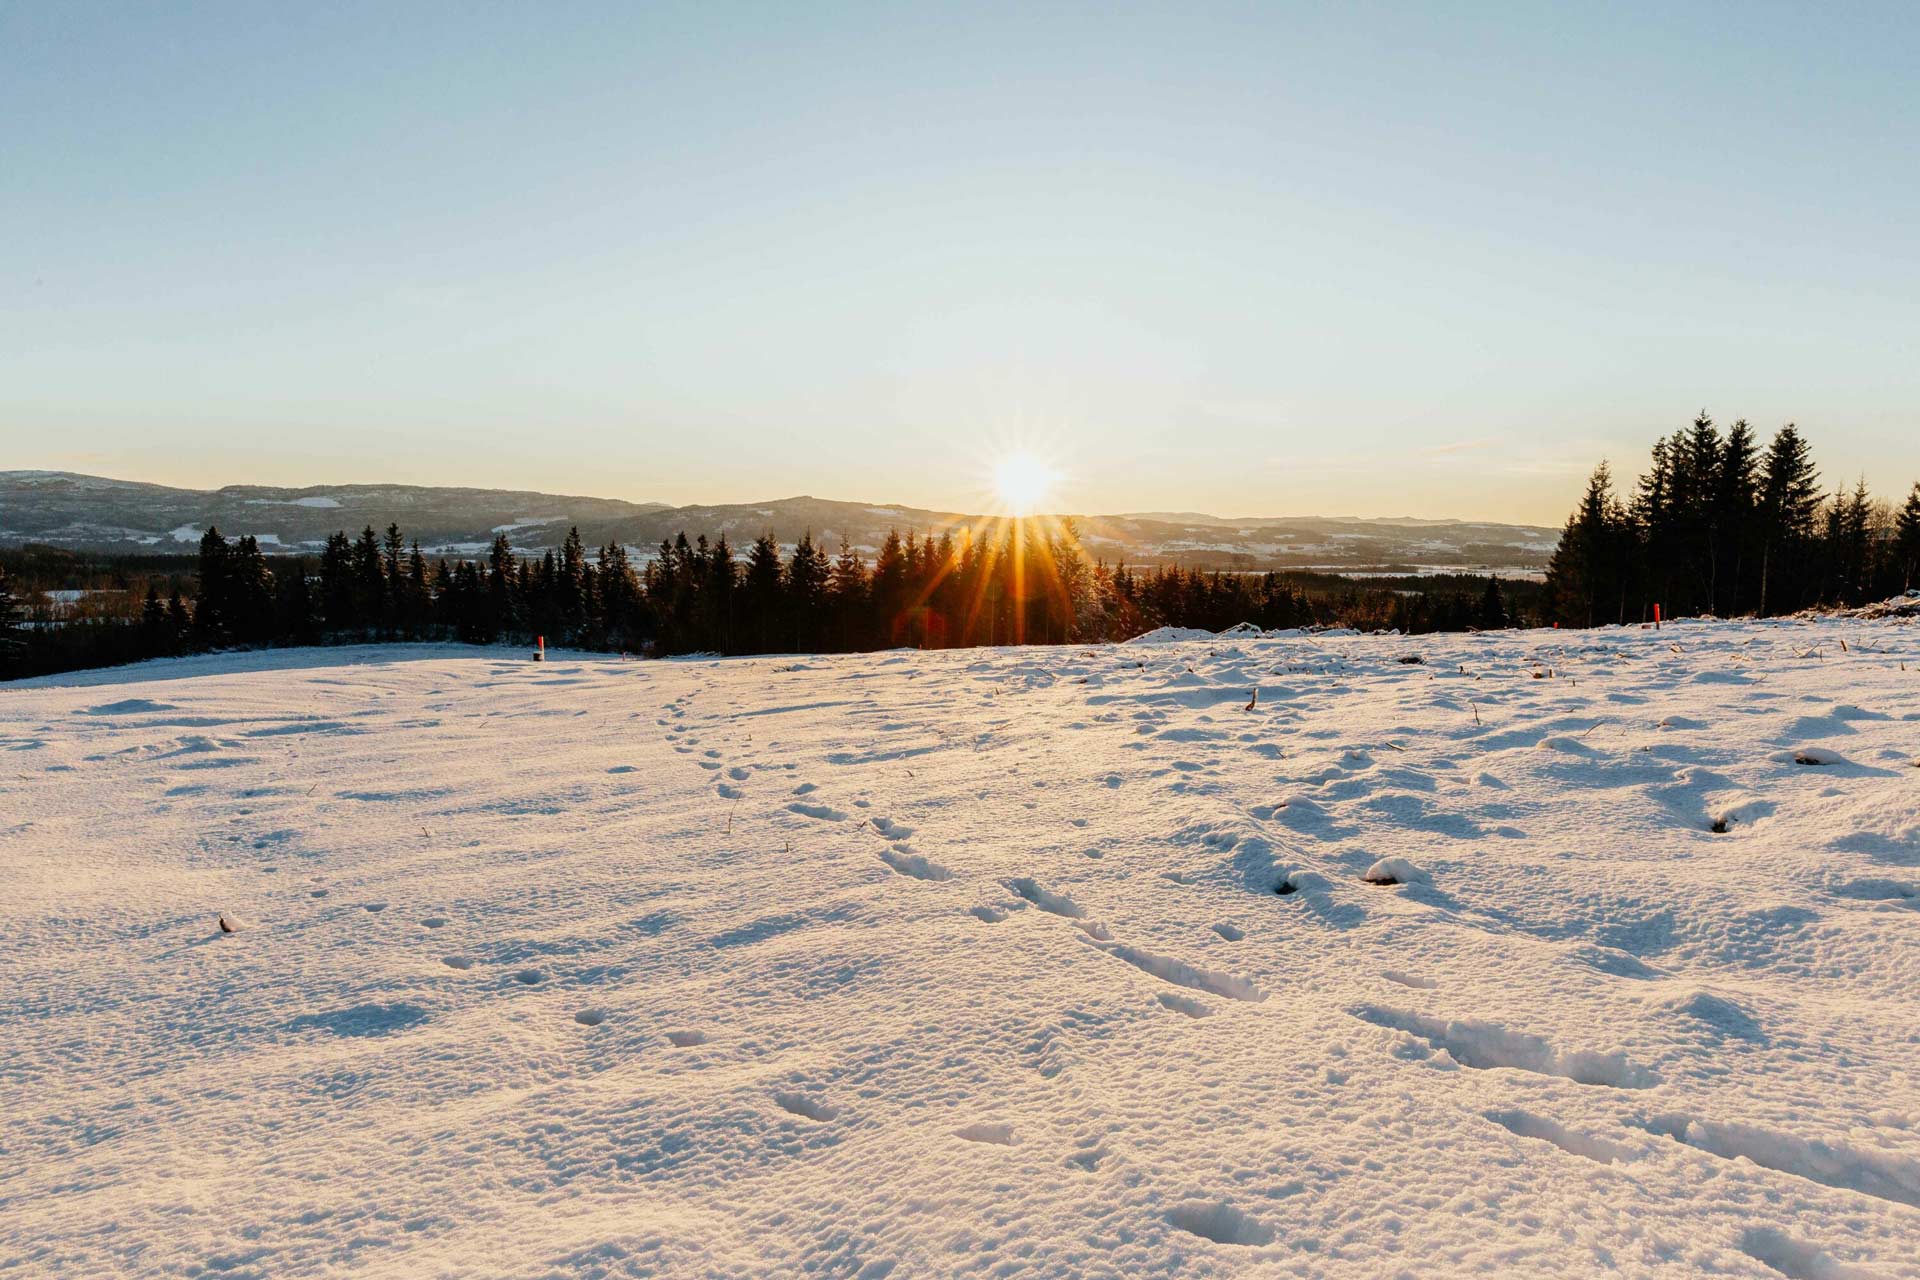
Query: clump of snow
(1395, 871)
(1170, 635)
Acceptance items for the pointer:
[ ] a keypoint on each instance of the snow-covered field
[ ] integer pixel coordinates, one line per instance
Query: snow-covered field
(971, 963)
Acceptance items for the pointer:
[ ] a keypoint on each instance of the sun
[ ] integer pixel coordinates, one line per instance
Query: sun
(1023, 482)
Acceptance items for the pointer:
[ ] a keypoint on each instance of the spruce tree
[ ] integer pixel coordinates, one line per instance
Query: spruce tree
(1493, 608)
(806, 591)
(1906, 541)
(1585, 584)
(250, 593)
(571, 584)
(179, 620)
(500, 601)
(765, 593)
(847, 592)
(1789, 505)
(212, 622)
(338, 610)
(1735, 520)
(722, 581)
(416, 598)
(889, 588)
(369, 582)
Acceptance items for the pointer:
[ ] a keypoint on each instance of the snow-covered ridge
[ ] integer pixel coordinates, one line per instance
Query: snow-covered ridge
(1540, 953)
(82, 511)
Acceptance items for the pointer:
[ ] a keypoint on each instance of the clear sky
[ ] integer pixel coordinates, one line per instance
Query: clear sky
(1380, 259)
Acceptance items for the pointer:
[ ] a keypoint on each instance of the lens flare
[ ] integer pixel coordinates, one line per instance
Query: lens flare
(1023, 482)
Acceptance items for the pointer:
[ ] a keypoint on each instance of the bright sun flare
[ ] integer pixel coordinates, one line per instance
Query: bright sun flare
(1022, 481)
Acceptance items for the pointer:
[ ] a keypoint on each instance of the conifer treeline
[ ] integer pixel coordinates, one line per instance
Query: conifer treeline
(1720, 525)
(1017, 582)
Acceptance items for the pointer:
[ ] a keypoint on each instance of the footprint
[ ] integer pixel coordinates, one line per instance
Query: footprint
(686, 1039)
(1795, 1259)
(462, 963)
(820, 811)
(1232, 933)
(1052, 903)
(739, 773)
(727, 791)
(590, 1017)
(1088, 1158)
(907, 863)
(1524, 1124)
(529, 977)
(1219, 1222)
(991, 915)
(1182, 974)
(801, 1105)
(373, 906)
(999, 1135)
(434, 922)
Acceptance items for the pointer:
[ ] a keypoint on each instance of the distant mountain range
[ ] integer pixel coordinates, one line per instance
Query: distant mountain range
(62, 509)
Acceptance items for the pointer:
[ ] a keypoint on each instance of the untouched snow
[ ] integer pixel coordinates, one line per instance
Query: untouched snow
(1032, 962)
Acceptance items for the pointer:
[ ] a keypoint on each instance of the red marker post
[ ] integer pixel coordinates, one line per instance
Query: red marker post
(1656, 617)
(539, 648)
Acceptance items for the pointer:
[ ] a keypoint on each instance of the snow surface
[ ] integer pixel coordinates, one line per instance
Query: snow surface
(971, 963)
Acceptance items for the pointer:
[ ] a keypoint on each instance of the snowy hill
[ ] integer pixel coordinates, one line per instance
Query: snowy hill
(1546, 954)
(63, 509)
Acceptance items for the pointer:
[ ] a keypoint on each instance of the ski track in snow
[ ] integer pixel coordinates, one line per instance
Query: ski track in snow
(1052, 962)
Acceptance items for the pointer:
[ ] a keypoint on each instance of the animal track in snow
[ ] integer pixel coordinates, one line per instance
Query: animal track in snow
(1485, 1046)
(726, 791)
(1219, 1222)
(1886, 1175)
(686, 1039)
(1052, 903)
(462, 963)
(590, 1017)
(890, 829)
(1796, 1259)
(820, 811)
(1524, 1124)
(909, 863)
(1182, 974)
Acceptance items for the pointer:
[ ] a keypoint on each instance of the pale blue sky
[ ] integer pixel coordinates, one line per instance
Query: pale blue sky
(1380, 259)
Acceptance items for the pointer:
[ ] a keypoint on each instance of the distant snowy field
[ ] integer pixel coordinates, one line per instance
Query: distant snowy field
(971, 963)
